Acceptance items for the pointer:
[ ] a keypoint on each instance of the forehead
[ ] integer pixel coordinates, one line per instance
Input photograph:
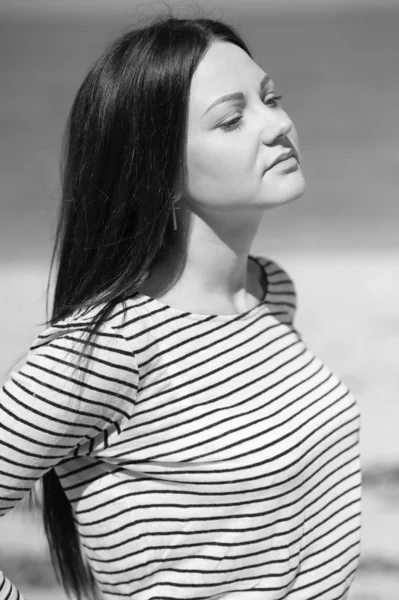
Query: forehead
(224, 69)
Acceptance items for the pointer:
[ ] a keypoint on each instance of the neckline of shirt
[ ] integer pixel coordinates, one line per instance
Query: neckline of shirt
(218, 317)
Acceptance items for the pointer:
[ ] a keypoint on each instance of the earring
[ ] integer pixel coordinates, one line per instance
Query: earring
(175, 200)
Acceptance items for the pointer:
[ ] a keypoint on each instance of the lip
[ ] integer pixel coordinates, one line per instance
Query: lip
(282, 157)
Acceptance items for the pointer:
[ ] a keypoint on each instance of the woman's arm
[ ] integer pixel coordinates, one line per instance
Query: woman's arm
(51, 406)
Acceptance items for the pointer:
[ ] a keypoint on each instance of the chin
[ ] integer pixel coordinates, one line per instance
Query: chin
(286, 191)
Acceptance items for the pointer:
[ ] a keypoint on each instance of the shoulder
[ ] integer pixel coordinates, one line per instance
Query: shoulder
(78, 377)
(277, 274)
(71, 337)
(281, 290)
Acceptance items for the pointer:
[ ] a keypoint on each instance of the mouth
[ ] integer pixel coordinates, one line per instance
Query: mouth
(285, 156)
(291, 154)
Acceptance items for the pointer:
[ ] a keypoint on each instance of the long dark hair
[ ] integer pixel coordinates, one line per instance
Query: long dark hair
(123, 146)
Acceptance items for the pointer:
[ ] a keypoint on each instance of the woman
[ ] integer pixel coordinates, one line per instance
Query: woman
(190, 444)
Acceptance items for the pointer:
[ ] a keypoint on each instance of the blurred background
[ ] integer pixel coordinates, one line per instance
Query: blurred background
(336, 63)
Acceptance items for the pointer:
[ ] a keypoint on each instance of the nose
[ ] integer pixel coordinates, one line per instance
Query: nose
(276, 124)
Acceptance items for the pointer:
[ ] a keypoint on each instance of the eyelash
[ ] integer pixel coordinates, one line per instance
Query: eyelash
(237, 122)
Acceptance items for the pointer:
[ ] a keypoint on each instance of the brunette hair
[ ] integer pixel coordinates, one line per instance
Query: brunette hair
(123, 145)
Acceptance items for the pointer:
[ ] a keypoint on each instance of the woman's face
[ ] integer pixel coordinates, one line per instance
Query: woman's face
(232, 144)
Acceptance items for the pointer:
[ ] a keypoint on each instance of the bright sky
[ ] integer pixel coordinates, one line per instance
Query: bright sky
(102, 7)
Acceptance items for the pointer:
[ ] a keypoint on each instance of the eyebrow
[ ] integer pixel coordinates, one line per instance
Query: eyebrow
(236, 95)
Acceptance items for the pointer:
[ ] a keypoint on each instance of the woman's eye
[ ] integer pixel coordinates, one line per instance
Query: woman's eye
(274, 100)
(236, 123)
(232, 125)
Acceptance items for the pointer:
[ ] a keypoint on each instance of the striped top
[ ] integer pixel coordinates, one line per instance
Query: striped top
(205, 456)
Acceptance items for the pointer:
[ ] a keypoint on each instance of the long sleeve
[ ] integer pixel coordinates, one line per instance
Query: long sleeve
(52, 405)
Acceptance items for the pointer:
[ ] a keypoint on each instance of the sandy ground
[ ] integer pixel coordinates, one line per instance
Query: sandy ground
(348, 314)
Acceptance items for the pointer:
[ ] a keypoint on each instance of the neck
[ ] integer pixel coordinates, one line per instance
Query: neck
(208, 270)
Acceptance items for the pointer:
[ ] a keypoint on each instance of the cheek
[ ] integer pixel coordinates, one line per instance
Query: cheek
(220, 158)
(218, 170)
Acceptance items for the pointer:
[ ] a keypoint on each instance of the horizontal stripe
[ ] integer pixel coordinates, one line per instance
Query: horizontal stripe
(202, 454)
